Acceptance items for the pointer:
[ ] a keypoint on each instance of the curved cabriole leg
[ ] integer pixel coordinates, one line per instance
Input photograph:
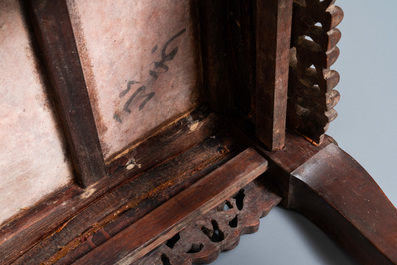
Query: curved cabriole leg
(337, 194)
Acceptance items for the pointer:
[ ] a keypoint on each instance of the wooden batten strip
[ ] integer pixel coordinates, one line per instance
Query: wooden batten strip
(54, 33)
(273, 31)
(149, 232)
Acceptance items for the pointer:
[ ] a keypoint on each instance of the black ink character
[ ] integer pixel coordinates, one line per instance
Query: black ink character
(164, 56)
(154, 73)
(129, 85)
(139, 90)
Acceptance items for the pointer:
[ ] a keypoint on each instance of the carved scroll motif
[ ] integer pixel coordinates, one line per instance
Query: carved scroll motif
(311, 81)
(219, 229)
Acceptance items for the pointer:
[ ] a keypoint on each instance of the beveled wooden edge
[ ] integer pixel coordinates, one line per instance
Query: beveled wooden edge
(54, 34)
(21, 232)
(147, 233)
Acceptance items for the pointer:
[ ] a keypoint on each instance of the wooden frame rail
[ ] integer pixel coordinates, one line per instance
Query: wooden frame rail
(54, 33)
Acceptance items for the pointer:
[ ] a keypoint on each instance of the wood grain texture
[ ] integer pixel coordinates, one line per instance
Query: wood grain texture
(32, 225)
(54, 34)
(331, 189)
(147, 233)
(218, 230)
(216, 54)
(178, 136)
(311, 95)
(282, 162)
(41, 220)
(241, 28)
(121, 208)
(273, 31)
(338, 195)
(227, 39)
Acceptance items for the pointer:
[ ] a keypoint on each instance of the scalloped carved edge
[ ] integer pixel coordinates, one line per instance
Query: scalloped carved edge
(312, 97)
(218, 230)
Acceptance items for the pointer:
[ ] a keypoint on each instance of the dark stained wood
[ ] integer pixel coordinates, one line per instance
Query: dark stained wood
(334, 191)
(37, 222)
(311, 96)
(55, 37)
(338, 195)
(178, 136)
(282, 162)
(227, 34)
(273, 31)
(150, 231)
(241, 35)
(218, 230)
(171, 179)
(216, 54)
(227, 39)
(120, 207)
(41, 220)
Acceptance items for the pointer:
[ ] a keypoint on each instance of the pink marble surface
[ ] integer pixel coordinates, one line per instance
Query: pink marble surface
(32, 160)
(119, 43)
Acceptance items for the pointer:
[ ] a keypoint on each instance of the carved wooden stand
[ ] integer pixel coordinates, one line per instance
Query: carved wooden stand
(189, 189)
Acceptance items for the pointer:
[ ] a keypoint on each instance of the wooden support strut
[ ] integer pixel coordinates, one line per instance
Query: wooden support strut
(54, 33)
(273, 31)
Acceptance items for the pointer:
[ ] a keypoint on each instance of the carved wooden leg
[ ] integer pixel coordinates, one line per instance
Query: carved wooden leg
(337, 194)
(331, 189)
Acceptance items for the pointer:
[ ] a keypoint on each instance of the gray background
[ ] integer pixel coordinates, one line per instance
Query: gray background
(366, 128)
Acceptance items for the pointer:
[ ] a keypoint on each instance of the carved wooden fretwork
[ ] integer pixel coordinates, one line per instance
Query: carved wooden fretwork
(311, 82)
(218, 230)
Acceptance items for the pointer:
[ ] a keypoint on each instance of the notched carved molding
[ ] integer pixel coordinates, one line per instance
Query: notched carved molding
(311, 97)
(218, 230)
